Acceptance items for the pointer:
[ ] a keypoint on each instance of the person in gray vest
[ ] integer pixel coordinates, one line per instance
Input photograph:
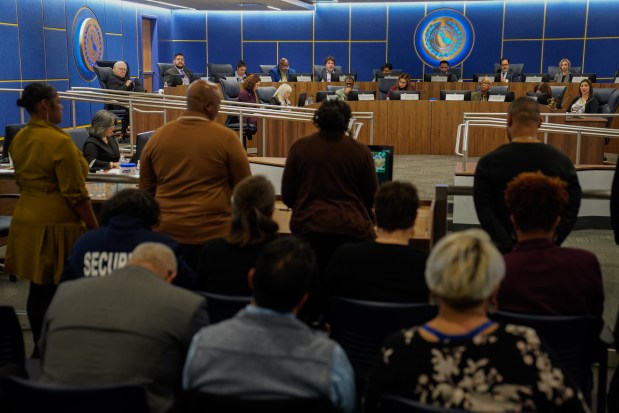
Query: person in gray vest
(265, 351)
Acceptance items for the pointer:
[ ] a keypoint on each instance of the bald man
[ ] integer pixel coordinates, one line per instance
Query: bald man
(120, 79)
(191, 166)
(280, 72)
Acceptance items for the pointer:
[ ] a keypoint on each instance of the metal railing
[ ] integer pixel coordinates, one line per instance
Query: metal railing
(497, 120)
(442, 193)
(153, 103)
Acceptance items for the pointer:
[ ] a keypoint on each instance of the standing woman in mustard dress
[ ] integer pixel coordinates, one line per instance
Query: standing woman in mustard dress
(54, 209)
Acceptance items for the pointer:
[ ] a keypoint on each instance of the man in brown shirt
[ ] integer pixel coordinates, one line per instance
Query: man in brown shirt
(191, 166)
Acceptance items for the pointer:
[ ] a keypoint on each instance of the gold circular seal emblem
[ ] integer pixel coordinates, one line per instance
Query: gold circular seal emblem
(90, 42)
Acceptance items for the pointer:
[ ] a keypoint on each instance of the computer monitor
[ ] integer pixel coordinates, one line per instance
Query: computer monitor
(509, 96)
(477, 76)
(9, 133)
(354, 95)
(466, 94)
(141, 140)
(299, 77)
(436, 77)
(536, 77)
(302, 98)
(395, 73)
(322, 95)
(578, 77)
(383, 162)
(408, 95)
(343, 76)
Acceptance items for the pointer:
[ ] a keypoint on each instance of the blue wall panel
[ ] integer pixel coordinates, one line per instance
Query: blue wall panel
(299, 55)
(224, 37)
(369, 22)
(339, 50)
(364, 57)
(113, 17)
(403, 19)
(486, 19)
(527, 52)
(188, 25)
(597, 54)
(524, 20)
(565, 19)
(9, 69)
(30, 13)
(53, 13)
(259, 53)
(10, 112)
(56, 56)
(603, 18)
(331, 22)
(281, 26)
(555, 50)
(113, 47)
(445, 5)
(98, 8)
(8, 12)
(130, 39)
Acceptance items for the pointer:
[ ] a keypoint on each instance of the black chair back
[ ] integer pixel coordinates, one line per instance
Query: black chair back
(78, 136)
(264, 69)
(322, 95)
(103, 74)
(225, 69)
(558, 92)
(141, 140)
(609, 100)
(397, 404)
(265, 93)
(9, 133)
(230, 88)
(30, 396)
(162, 68)
(384, 85)
(574, 339)
(221, 307)
(361, 327)
(11, 339)
(200, 402)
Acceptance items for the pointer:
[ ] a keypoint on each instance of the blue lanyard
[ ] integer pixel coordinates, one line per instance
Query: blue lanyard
(456, 337)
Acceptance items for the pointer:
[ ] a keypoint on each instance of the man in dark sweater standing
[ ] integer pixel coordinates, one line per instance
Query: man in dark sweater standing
(524, 153)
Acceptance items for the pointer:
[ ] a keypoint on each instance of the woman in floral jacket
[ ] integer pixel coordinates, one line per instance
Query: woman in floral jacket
(463, 360)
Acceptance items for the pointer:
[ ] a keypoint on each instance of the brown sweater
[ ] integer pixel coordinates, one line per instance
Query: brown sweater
(330, 186)
(191, 166)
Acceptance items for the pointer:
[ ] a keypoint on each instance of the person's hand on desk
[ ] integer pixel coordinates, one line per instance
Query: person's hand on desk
(114, 165)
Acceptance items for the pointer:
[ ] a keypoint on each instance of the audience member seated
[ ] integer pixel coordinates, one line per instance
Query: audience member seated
(225, 262)
(265, 351)
(404, 83)
(564, 75)
(544, 95)
(343, 94)
(248, 94)
(484, 90)
(329, 73)
(127, 220)
(585, 102)
(280, 72)
(130, 327)
(281, 97)
(101, 147)
(179, 74)
(463, 360)
(241, 71)
(120, 81)
(443, 69)
(387, 268)
(541, 277)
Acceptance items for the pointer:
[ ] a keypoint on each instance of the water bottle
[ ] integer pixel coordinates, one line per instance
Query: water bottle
(165, 84)
(310, 100)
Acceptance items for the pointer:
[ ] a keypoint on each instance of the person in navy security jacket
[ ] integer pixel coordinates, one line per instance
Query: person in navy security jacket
(127, 220)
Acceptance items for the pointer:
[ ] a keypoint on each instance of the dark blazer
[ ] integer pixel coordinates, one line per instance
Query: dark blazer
(592, 105)
(172, 76)
(335, 75)
(101, 153)
(276, 75)
(510, 76)
(118, 83)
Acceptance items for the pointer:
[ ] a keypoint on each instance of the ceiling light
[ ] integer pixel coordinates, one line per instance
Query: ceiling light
(274, 8)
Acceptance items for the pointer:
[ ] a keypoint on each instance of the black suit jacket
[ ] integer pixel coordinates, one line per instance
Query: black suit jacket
(172, 76)
(510, 76)
(335, 76)
(118, 83)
